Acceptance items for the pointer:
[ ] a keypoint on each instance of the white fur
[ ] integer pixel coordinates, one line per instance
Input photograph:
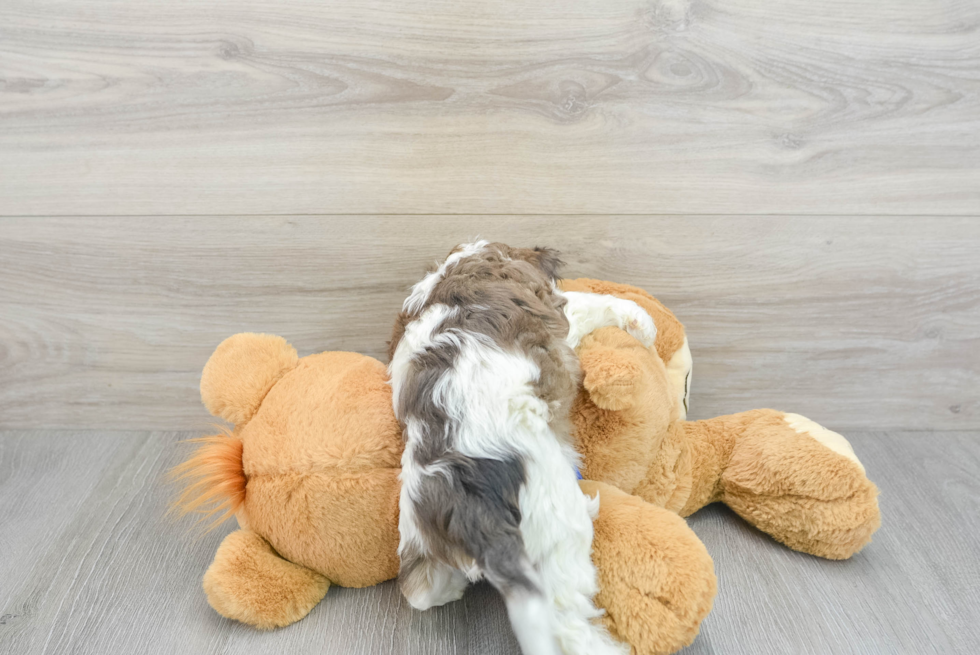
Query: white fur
(532, 619)
(444, 584)
(590, 311)
(489, 394)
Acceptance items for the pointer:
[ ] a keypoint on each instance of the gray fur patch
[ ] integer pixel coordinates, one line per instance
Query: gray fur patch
(416, 401)
(472, 514)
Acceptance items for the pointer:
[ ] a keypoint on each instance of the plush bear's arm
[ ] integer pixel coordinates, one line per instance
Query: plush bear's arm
(657, 581)
(621, 417)
(671, 342)
(784, 474)
(250, 583)
(616, 370)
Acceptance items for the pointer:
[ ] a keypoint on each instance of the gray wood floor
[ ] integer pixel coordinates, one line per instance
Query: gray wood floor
(90, 565)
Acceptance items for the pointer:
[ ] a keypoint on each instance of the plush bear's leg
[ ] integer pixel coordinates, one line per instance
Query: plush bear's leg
(788, 477)
(249, 582)
(656, 579)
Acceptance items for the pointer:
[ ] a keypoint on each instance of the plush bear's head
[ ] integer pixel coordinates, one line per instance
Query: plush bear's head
(320, 453)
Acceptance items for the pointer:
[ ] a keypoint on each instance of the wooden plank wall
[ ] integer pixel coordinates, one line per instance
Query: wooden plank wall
(857, 322)
(489, 106)
(800, 181)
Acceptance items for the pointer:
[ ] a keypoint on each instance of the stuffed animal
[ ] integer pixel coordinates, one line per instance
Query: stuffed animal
(310, 471)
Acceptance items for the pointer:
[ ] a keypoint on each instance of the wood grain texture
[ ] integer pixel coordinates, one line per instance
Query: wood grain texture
(43, 485)
(98, 569)
(467, 106)
(854, 322)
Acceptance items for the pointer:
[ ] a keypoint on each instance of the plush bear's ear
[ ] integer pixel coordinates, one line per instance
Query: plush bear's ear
(241, 371)
(549, 261)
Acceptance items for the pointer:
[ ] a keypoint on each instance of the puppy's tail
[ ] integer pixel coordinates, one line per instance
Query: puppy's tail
(539, 624)
(550, 605)
(530, 612)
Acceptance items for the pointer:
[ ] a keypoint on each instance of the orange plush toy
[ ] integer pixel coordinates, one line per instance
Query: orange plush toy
(311, 473)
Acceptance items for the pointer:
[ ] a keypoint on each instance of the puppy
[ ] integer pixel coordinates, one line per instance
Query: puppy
(483, 374)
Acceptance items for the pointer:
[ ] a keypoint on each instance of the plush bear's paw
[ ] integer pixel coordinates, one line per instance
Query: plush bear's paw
(249, 582)
(828, 438)
(610, 378)
(802, 484)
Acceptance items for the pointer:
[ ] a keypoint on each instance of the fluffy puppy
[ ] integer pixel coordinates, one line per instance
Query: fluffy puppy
(483, 374)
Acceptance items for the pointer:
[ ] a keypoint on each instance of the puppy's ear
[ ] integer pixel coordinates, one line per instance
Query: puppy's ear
(549, 261)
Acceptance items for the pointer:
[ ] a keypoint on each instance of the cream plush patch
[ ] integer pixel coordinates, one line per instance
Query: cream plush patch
(242, 519)
(831, 439)
(679, 370)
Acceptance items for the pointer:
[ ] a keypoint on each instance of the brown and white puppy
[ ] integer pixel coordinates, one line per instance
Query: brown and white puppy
(483, 374)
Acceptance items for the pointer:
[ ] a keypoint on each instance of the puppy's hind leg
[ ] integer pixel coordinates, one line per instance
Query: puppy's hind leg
(427, 583)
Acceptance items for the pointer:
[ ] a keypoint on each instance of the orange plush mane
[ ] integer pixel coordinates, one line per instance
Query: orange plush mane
(215, 480)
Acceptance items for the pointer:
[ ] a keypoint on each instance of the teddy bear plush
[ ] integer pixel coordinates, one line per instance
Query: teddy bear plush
(310, 471)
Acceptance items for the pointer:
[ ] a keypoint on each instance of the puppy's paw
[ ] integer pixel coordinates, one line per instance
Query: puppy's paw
(638, 323)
